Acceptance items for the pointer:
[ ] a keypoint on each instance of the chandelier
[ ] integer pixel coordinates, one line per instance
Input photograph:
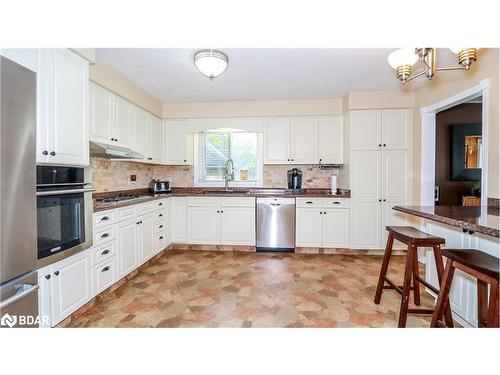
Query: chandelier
(403, 59)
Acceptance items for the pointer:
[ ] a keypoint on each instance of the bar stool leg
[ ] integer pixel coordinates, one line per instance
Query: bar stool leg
(383, 270)
(482, 303)
(440, 270)
(403, 311)
(416, 283)
(493, 309)
(444, 291)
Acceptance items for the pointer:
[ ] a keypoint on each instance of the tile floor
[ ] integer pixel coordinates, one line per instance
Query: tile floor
(238, 289)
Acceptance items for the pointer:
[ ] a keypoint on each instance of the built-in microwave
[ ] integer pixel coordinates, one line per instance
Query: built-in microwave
(64, 212)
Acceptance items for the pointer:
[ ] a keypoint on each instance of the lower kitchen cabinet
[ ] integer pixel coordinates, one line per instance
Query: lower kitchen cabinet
(203, 225)
(365, 223)
(127, 240)
(178, 219)
(104, 275)
(336, 228)
(145, 237)
(309, 223)
(237, 226)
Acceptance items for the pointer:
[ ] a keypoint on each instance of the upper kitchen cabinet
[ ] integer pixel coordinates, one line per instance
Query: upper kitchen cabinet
(62, 108)
(304, 140)
(277, 141)
(380, 129)
(142, 132)
(331, 140)
(110, 118)
(157, 140)
(178, 143)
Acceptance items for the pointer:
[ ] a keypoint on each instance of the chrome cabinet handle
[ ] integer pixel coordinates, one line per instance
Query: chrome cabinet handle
(105, 269)
(105, 252)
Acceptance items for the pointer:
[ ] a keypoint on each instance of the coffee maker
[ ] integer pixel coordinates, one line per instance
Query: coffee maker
(294, 177)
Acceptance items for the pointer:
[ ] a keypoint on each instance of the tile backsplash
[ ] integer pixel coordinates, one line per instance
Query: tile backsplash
(110, 175)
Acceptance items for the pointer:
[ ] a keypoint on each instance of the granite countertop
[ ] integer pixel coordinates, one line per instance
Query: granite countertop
(145, 196)
(485, 220)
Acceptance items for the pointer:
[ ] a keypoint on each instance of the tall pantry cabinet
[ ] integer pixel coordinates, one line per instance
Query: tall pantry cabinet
(379, 173)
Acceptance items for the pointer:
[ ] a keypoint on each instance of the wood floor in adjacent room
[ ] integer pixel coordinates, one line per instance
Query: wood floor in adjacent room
(238, 289)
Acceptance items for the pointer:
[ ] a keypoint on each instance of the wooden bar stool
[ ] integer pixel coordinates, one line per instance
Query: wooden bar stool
(414, 239)
(484, 268)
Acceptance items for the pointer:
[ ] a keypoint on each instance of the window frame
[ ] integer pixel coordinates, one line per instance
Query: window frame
(199, 163)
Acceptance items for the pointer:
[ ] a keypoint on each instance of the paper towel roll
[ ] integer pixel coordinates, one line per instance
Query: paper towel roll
(334, 184)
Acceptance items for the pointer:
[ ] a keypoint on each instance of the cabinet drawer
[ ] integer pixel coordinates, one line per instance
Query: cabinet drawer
(160, 241)
(309, 202)
(146, 208)
(126, 213)
(103, 276)
(203, 201)
(237, 201)
(335, 202)
(160, 204)
(160, 216)
(103, 235)
(103, 252)
(104, 218)
(160, 226)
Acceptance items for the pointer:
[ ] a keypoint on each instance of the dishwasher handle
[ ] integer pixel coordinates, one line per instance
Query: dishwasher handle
(275, 204)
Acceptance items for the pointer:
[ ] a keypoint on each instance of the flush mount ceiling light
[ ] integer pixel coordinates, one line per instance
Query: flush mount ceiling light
(403, 59)
(211, 62)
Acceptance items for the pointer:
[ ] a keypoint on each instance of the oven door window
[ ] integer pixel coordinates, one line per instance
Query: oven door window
(60, 223)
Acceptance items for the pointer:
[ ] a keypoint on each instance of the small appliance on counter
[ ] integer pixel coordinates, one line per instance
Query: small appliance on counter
(159, 187)
(294, 178)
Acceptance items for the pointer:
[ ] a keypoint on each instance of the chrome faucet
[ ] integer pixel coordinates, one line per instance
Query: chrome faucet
(229, 173)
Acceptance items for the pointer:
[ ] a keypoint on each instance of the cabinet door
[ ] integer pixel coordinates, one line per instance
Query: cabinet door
(304, 141)
(336, 228)
(157, 140)
(396, 129)
(101, 114)
(44, 308)
(396, 172)
(178, 143)
(142, 135)
(366, 174)
(365, 223)
(69, 131)
(238, 226)
(43, 98)
(128, 244)
(365, 130)
(277, 141)
(146, 240)
(309, 227)
(178, 219)
(203, 225)
(331, 140)
(392, 218)
(70, 285)
(123, 129)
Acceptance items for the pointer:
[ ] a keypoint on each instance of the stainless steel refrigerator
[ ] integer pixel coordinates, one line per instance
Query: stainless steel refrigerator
(18, 230)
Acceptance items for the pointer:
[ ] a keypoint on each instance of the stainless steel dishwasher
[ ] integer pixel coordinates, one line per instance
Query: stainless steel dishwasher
(276, 224)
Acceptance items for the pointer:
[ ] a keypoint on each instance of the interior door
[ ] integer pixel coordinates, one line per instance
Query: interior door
(69, 130)
(123, 129)
(365, 128)
(203, 225)
(277, 141)
(238, 226)
(304, 140)
(336, 228)
(331, 140)
(309, 229)
(128, 243)
(101, 114)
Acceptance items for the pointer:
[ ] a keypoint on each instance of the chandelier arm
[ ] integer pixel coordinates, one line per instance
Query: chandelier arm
(450, 68)
(419, 74)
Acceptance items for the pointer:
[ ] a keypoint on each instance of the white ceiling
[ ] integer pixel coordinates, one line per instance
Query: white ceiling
(169, 74)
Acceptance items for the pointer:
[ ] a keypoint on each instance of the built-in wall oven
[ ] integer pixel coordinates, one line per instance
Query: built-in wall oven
(64, 212)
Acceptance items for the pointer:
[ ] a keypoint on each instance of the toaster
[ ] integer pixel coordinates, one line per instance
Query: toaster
(159, 187)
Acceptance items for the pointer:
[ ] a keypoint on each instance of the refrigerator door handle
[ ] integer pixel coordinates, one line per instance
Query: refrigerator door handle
(27, 290)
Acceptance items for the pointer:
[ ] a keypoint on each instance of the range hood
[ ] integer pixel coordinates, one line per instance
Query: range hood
(113, 151)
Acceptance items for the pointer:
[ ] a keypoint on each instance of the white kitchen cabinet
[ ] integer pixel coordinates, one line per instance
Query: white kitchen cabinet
(26, 57)
(331, 140)
(203, 225)
(157, 140)
(104, 275)
(237, 226)
(366, 173)
(277, 141)
(127, 242)
(178, 143)
(146, 243)
(70, 286)
(336, 228)
(44, 308)
(142, 132)
(304, 140)
(366, 223)
(62, 108)
(178, 219)
(101, 114)
(123, 131)
(395, 129)
(309, 227)
(395, 172)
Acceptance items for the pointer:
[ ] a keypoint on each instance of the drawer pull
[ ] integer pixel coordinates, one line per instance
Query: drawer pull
(105, 218)
(336, 202)
(161, 226)
(309, 202)
(160, 204)
(160, 215)
(161, 237)
(56, 273)
(105, 252)
(105, 235)
(105, 269)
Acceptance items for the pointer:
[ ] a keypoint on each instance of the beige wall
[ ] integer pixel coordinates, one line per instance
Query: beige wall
(114, 81)
(317, 107)
(403, 98)
(446, 84)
